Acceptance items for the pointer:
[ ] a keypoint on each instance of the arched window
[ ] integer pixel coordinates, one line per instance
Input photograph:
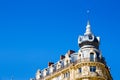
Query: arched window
(66, 62)
(59, 65)
(91, 56)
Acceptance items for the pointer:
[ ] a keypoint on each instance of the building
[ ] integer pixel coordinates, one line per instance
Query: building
(86, 64)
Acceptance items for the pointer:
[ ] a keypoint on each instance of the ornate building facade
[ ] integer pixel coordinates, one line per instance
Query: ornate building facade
(86, 64)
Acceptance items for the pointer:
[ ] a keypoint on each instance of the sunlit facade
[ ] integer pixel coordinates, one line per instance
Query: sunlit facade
(86, 64)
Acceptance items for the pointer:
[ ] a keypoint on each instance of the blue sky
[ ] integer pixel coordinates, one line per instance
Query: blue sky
(33, 32)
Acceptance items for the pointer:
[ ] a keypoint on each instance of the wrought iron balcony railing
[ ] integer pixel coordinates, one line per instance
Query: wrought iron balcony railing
(75, 62)
(90, 74)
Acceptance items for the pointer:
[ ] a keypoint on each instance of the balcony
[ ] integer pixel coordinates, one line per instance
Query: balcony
(67, 78)
(73, 63)
(95, 75)
(88, 60)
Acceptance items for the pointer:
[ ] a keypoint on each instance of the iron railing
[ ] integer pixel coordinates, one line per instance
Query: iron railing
(75, 62)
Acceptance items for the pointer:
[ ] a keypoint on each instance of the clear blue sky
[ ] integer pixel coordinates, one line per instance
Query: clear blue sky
(33, 32)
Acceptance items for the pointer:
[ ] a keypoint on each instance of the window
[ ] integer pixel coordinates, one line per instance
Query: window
(40, 76)
(79, 55)
(92, 68)
(90, 37)
(67, 74)
(91, 56)
(67, 62)
(79, 70)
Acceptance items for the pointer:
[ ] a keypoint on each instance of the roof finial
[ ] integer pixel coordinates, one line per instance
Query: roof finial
(88, 29)
(88, 22)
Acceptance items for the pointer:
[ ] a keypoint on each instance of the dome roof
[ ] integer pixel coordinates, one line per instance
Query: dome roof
(88, 39)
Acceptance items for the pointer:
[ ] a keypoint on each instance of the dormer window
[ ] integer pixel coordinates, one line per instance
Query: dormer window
(40, 76)
(59, 65)
(45, 72)
(52, 68)
(66, 62)
(80, 55)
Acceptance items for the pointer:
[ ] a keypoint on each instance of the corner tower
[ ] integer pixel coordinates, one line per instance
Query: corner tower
(85, 64)
(93, 65)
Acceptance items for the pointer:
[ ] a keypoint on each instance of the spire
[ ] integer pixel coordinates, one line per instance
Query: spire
(88, 29)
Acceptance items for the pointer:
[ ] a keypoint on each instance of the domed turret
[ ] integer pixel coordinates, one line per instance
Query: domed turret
(88, 39)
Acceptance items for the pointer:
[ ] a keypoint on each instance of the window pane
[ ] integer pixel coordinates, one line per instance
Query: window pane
(91, 56)
(67, 74)
(79, 69)
(92, 68)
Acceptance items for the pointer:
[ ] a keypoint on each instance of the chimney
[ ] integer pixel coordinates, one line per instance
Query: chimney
(70, 52)
(50, 63)
(62, 57)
